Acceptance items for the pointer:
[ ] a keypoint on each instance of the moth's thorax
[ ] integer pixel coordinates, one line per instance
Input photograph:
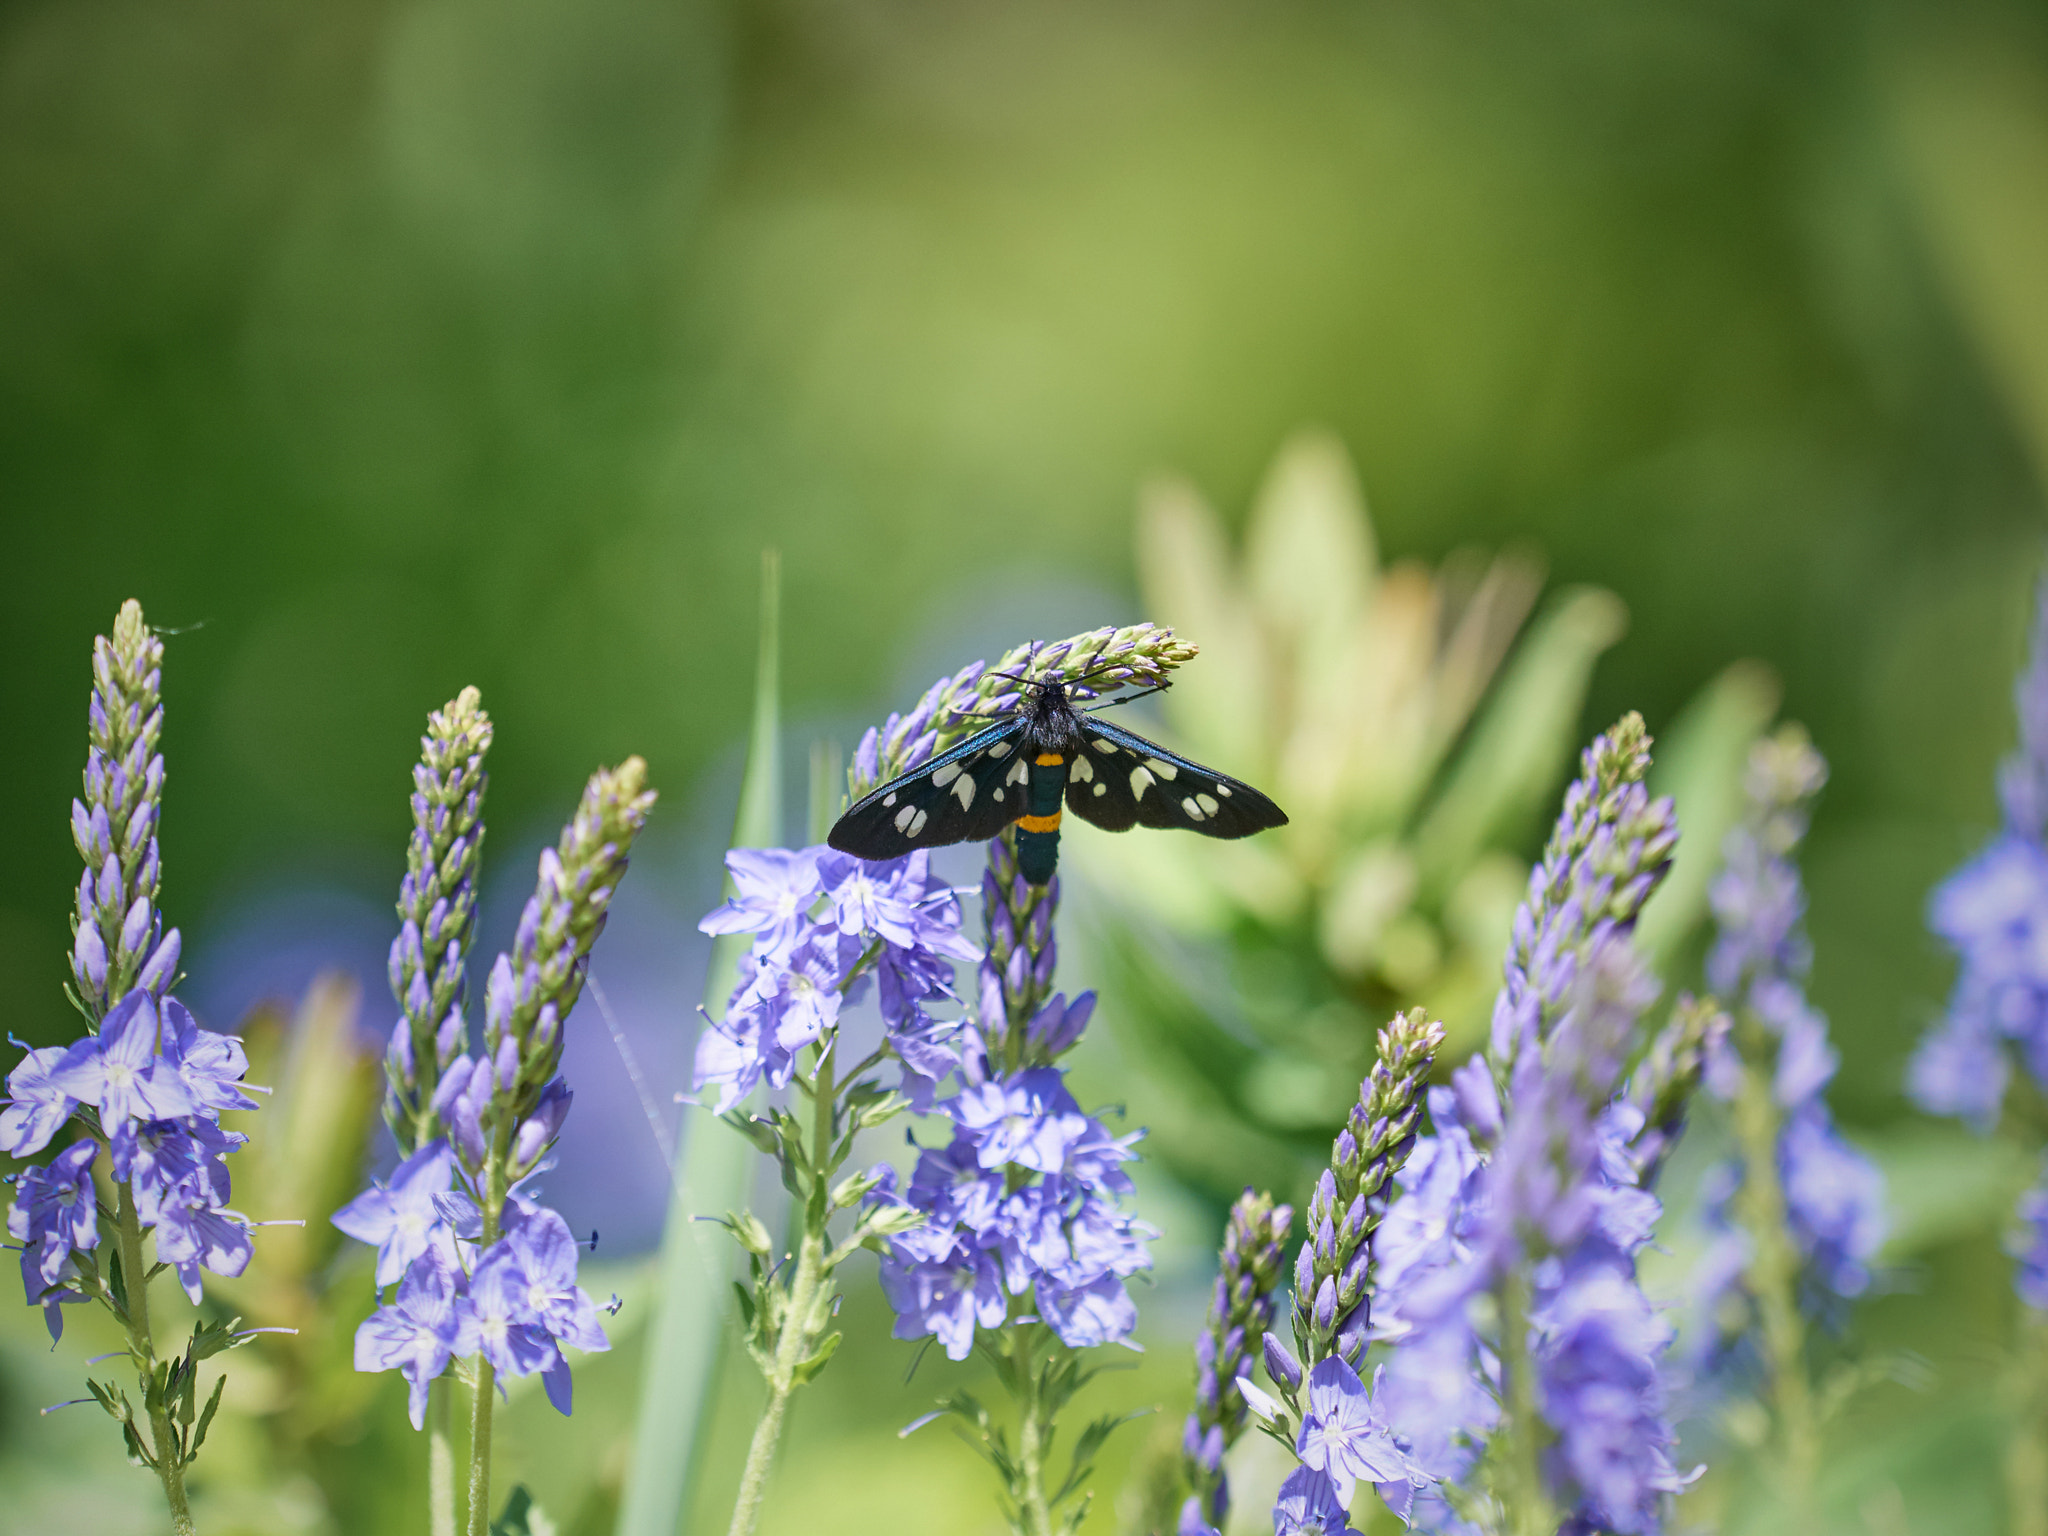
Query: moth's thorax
(1050, 721)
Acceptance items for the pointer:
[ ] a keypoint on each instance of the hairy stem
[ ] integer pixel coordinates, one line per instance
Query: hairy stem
(794, 1341)
(1773, 1280)
(440, 1462)
(1034, 1438)
(142, 1350)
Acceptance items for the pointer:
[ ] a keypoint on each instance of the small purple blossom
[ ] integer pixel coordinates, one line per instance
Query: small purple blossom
(773, 888)
(54, 1213)
(192, 1233)
(399, 1217)
(36, 1107)
(427, 1324)
(1344, 1435)
(1311, 1504)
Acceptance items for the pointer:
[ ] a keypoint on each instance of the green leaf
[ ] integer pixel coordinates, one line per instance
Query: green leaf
(807, 1370)
(1509, 765)
(523, 1517)
(206, 1416)
(1699, 764)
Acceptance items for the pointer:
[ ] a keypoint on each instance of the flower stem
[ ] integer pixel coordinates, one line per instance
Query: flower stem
(2026, 1452)
(803, 1313)
(440, 1462)
(142, 1351)
(1034, 1438)
(1773, 1280)
(486, 1373)
(1526, 1500)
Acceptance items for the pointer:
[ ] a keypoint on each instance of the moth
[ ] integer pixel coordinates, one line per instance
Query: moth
(1019, 769)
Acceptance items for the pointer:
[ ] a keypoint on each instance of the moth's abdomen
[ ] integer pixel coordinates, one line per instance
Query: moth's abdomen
(1038, 829)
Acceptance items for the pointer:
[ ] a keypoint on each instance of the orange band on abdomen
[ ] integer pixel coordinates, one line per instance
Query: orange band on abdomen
(1040, 823)
(1049, 759)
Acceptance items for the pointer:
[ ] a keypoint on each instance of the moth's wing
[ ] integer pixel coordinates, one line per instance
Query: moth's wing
(1120, 780)
(960, 796)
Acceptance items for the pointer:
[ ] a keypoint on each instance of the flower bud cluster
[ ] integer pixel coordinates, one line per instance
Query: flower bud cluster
(1017, 967)
(1137, 655)
(1610, 848)
(1333, 1272)
(437, 913)
(118, 940)
(480, 1266)
(1250, 1268)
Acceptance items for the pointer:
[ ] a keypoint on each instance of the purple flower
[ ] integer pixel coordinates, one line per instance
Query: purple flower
(1344, 1436)
(428, 1324)
(1598, 1381)
(53, 1214)
(1834, 1201)
(191, 1234)
(119, 1072)
(171, 1154)
(399, 1218)
(773, 889)
(36, 1106)
(948, 1296)
(1310, 1504)
(537, 1132)
(1100, 1312)
(509, 1332)
(212, 1066)
(1030, 1120)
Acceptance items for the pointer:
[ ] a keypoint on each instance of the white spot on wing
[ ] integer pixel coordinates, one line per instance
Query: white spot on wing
(999, 794)
(1083, 770)
(1101, 788)
(904, 817)
(941, 777)
(1140, 782)
(1161, 770)
(1209, 806)
(1019, 772)
(963, 790)
(1000, 749)
(1194, 811)
(917, 824)
(1223, 790)
(890, 798)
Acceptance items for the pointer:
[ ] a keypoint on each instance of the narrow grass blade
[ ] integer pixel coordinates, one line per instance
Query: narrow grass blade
(713, 1171)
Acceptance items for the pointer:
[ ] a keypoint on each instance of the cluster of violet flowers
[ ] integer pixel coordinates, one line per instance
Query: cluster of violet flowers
(482, 1276)
(145, 1085)
(826, 929)
(1521, 1390)
(1796, 1214)
(1011, 1237)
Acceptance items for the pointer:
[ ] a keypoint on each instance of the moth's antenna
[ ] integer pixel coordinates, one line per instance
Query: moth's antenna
(1143, 693)
(1028, 682)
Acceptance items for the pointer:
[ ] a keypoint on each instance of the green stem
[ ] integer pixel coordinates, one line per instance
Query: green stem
(1034, 1439)
(486, 1374)
(1773, 1280)
(1526, 1500)
(2026, 1452)
(803, 1312)
(142, 1350)
(440, 1462)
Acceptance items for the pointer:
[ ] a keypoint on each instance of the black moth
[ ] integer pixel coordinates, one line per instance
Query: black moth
(1017, 770)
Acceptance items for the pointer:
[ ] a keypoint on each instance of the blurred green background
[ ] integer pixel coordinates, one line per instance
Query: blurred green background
(386, 347)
